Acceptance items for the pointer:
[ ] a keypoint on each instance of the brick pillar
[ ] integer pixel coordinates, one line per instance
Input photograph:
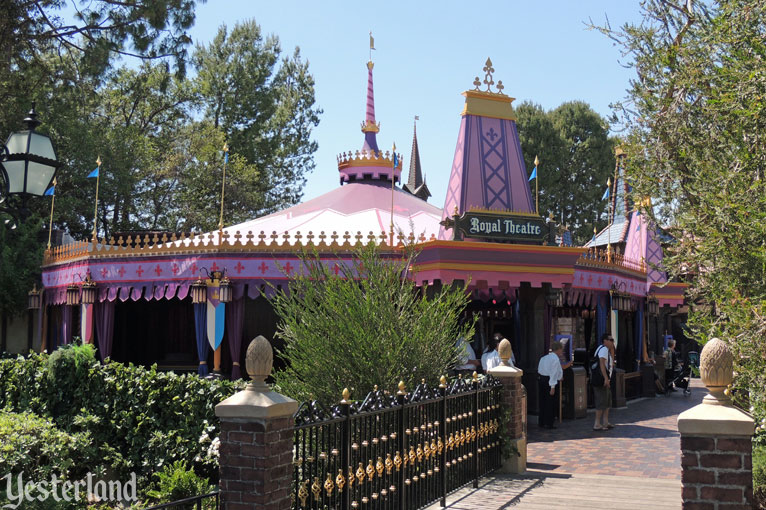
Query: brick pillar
(716, 441)
(256, 440)
(515, 401)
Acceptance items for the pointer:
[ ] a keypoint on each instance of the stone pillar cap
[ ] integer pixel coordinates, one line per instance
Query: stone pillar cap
(257, 400)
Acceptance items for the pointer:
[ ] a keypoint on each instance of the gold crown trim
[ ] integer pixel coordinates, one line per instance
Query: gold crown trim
(369, 126)
(367, 158)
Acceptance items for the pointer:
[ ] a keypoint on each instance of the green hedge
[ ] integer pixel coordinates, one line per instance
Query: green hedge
(759, 476)
(139, 419)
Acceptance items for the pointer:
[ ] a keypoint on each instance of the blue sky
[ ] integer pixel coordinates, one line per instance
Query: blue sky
(427, 54)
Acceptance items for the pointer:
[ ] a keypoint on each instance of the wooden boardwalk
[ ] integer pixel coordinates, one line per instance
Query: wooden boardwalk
(634, 466)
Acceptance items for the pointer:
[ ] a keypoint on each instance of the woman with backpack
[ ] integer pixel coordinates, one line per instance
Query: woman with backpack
(602, 366)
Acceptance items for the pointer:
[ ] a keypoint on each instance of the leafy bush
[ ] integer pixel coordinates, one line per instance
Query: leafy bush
(759, 476)
(138, 419)
(367, 325)
(176, 482)
(37, 448)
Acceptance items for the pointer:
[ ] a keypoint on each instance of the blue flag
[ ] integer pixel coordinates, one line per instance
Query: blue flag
(226, 157)
(396, 160)
(50, 191)
(606, 194)
(534, 175)
(93, 174)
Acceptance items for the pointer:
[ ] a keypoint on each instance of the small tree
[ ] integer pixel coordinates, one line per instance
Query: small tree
(366, 325)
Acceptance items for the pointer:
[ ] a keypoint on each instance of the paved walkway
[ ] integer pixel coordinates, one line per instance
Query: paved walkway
(636, 465)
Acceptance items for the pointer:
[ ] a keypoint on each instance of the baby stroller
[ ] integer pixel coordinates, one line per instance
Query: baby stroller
(680, 378)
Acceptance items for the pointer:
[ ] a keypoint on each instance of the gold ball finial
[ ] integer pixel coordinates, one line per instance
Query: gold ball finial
(346, 395)
(475, 376)
(504, 350)
(259, 361)
(717, 371)
(442, 382)
(402, 388)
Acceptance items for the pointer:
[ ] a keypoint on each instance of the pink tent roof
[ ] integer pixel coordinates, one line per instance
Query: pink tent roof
(355, 207)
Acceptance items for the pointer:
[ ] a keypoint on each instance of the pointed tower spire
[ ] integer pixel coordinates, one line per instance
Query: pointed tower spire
(416, 185)
(369, 127)
(369, 163)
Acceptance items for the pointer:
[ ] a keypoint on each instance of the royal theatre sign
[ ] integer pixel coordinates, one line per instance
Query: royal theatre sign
(528, 229)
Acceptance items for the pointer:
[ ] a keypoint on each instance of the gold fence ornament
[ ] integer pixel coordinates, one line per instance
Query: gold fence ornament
(389, 464)
(379, 466)
(440, 445)
(329, 485)
(303, 493)
(350, 477)
(413, 455)
(419, 453)
(340, 481)
(360, 473)
(473, 433)
(370, 471)
(316, 489)
(398, 461)
(426, 450)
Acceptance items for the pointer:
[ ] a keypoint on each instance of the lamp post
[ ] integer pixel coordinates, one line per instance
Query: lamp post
(27, 168)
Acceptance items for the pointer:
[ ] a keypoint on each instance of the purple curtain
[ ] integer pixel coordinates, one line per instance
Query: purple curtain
(640, 333)
(235, 317)
(600, 319)
(547, 323)
(104, 323)
(200, 328)
(66, 325)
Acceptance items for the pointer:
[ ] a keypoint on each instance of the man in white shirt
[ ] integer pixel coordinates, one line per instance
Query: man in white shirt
(467, 362)
(549, 373)
(602, 393)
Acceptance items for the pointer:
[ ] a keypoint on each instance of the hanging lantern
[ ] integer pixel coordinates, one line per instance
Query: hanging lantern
(555, 298)
(33, 301)
(72, 294)
(224, 290)
(199, 292)
(88, 291)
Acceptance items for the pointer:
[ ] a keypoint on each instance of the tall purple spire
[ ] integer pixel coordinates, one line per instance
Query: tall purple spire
(369, 163)
(369, 127)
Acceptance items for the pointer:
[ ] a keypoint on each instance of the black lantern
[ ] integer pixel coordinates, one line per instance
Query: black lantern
(555, 298)
(72, 294)
(199, 291)
(224, 290)
(27, 167)
(88, 291)
(33, 300)
(652, 305)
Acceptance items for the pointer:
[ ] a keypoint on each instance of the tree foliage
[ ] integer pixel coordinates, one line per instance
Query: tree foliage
(696, 116)
(368, 325)
(576, 157)
(160, 136)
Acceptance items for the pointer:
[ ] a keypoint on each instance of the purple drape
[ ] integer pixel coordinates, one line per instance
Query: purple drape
(547, 323)
(600, 319)
(640, 333)
(200, 328)
(66, 325)
(235, 317)
(104, 322)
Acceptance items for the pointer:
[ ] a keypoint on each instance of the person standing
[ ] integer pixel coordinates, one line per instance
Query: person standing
(549, 374)
(491, 358)
(467, 362)
(601, 375)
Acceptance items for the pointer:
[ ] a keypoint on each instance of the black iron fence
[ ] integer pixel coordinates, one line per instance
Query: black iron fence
(401, 451)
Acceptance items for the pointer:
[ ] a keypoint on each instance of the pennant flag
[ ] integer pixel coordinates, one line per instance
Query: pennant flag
(606, 194)
(225, 157)
(93, 174)
(534, 175)
(396, 160)
(216, 316)
(51, 191)
(372, 42)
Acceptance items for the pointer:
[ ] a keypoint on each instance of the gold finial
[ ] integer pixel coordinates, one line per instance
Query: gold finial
(475, 376)
(225, 147)
(346, 395)
(442, 382)
(609, 181)
(476, 83)
(537, 161)
(618, 151)
(488, 70)
(402, 388)
(393, 147)
(422, 381)
(456, 212)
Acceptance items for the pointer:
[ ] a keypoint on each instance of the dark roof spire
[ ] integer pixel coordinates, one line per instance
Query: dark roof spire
(416, 185)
